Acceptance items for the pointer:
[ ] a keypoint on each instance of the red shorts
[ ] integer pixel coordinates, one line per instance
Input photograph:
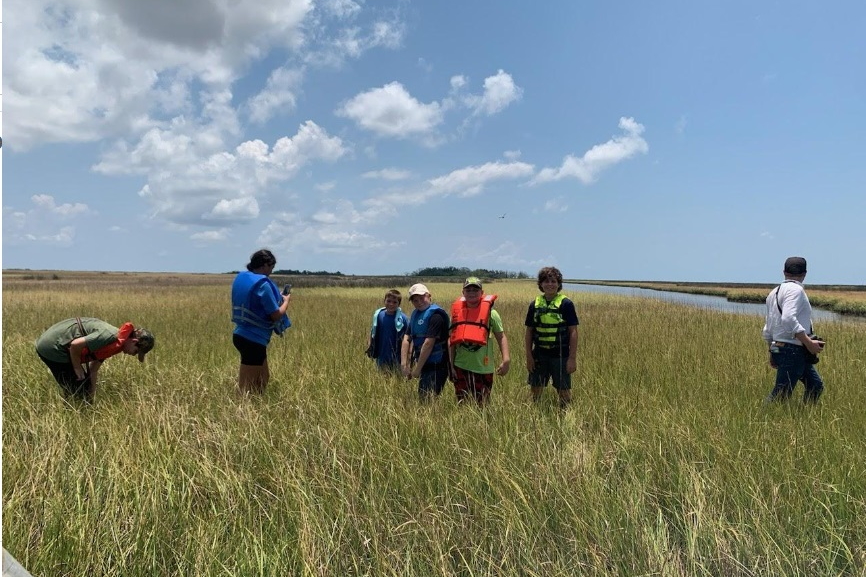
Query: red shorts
(472, 385)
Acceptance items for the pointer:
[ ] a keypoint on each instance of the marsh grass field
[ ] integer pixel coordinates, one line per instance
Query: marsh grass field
(667, 463)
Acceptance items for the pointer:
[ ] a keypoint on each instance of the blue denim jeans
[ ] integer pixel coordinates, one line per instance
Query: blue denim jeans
(792, 367)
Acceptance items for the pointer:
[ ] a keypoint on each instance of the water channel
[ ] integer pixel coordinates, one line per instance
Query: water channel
(701, 301)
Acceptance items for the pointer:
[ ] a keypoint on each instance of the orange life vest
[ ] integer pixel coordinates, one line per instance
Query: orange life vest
(110, 350)
(471, 326)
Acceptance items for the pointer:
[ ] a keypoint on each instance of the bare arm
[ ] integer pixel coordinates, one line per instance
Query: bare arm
(284, 306)
(811, 345)
(75, 349)
(527, 346)
(571, 363)
(503, 367)
(406, 356)
(426, 349)
(452, 353)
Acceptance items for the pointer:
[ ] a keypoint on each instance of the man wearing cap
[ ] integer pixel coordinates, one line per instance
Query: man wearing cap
(788, 333)
(424, 355)
(74, 350)
(474, 325)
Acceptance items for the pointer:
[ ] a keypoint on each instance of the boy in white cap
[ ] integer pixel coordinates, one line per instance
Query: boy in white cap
(424, 355)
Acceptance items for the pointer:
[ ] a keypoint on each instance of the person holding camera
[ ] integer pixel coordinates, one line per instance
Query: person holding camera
(74, 350)
(787, 331)
(258, 311)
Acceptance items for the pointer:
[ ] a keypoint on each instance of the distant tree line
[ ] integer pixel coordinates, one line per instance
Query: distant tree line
(292, 272)
(432, 271)
(307, 272)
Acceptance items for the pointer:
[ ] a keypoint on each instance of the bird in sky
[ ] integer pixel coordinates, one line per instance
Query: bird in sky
(503, 215)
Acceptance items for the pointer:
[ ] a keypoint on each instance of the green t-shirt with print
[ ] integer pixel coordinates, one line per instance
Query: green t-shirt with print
(482, 360)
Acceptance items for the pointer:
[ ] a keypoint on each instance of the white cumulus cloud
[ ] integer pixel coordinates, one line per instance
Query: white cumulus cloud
(499, 92)
(388, 174)
(191, 181)
(44, 222)
(279, 95)
(599, 157)
(472, 179)
(392, 111)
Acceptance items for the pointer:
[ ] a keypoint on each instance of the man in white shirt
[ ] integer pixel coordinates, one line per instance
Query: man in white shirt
(788, 333)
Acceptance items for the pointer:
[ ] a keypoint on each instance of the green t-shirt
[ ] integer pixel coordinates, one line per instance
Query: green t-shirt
(482, 360)
(54, 342)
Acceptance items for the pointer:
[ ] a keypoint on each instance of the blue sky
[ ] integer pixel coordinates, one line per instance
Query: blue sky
(681, 140)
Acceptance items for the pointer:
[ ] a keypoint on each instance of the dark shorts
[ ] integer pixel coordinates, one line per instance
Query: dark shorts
(549, 368)
(64, 374)
(469, 385)
(252, 354)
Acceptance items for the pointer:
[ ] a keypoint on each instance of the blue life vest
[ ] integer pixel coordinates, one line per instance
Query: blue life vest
(401, 325)
(419, 323)
(244, 312)
(398, 321)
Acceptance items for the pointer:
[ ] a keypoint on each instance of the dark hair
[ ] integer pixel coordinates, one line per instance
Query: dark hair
(396, 294)
(261, 258)
(549, 272)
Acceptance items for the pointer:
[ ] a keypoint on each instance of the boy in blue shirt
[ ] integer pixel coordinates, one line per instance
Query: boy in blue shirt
(388, 326)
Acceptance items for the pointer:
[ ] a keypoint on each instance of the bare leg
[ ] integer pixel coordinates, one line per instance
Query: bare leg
(264, 377)
(249, 379)
(564, 399)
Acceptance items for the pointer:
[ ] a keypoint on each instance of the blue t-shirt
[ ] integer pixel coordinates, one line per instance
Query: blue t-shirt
(387, 344)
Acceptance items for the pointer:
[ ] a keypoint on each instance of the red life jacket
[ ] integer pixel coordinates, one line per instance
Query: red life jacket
(471, 326)
(110, 350)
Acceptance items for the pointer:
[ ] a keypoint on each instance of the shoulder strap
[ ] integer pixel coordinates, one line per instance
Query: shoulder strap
(84, 365)
(778, 288)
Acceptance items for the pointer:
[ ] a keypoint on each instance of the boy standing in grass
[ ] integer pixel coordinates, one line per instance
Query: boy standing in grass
(550, 340)
(386, 332)
(474, 324)
(424, 355)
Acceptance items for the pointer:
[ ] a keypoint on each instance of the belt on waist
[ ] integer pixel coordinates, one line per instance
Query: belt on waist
(779, 344)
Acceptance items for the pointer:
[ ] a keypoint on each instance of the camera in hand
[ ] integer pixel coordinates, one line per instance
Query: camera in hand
(287, 289)
(812, 358)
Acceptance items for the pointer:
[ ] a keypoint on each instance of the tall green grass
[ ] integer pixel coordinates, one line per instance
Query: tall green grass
(667, 463)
